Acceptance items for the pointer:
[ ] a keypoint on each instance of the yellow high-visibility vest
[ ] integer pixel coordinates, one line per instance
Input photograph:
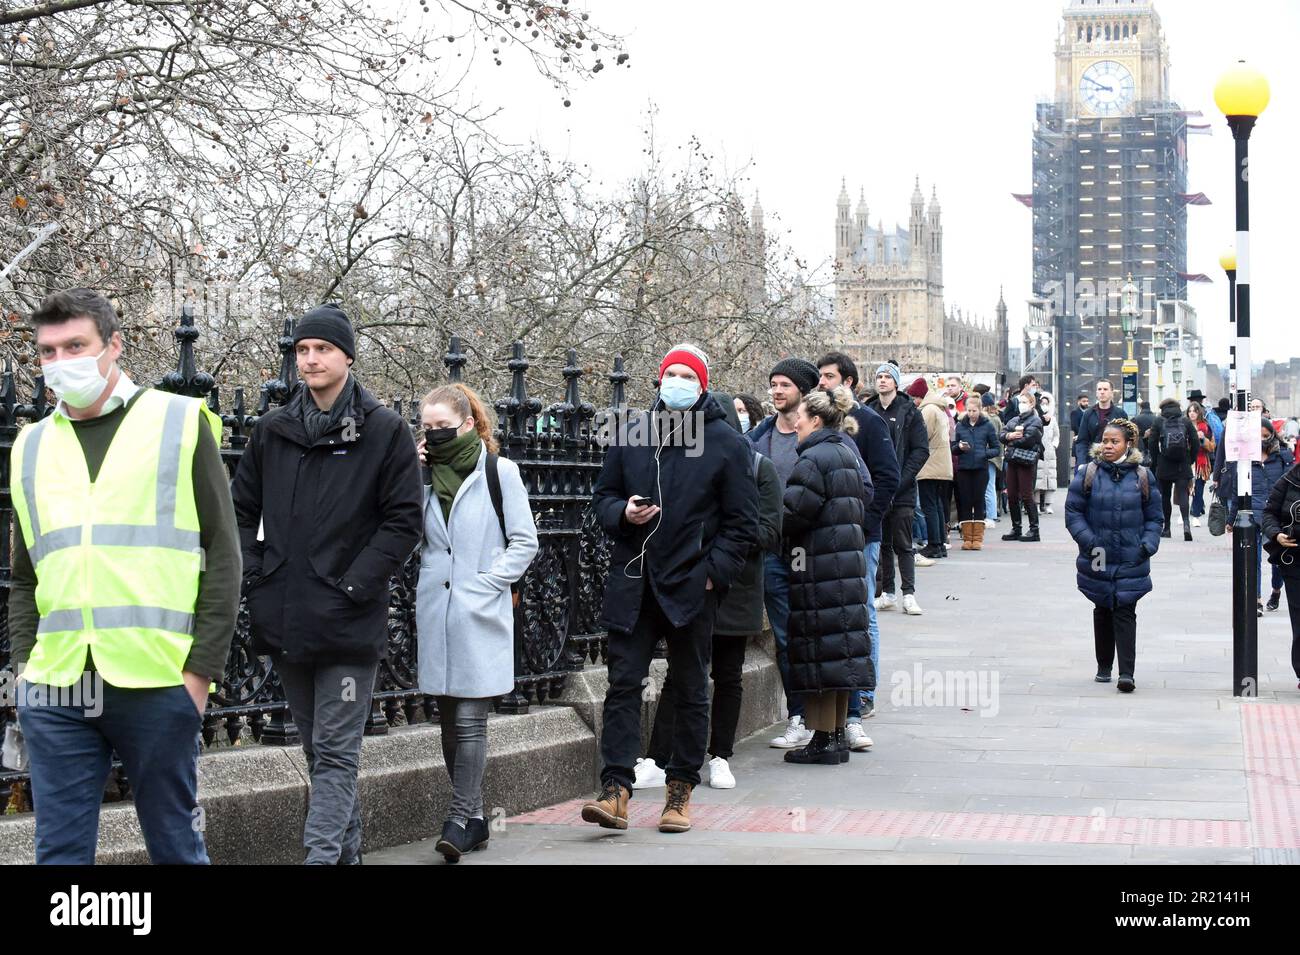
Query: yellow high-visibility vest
(117, 561)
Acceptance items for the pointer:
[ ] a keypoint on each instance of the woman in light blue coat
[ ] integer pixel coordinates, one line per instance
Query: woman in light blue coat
(463, 607)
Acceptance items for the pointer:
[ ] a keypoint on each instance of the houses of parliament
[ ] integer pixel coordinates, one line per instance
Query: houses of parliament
(889, 295)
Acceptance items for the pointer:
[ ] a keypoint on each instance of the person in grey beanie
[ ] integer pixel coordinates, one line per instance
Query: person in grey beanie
(912, 446)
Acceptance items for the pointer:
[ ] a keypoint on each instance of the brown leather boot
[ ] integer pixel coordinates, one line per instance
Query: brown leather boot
(677, 816)
(977, 535)
(609, 809)
(967, 536)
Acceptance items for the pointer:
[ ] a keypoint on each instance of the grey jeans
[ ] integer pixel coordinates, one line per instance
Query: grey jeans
(464, 749)
(330, 703)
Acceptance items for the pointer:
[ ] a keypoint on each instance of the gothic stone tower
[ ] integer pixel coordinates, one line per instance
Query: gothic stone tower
(889, 285)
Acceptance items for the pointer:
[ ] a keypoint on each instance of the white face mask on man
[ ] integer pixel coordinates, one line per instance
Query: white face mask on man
(76, 381)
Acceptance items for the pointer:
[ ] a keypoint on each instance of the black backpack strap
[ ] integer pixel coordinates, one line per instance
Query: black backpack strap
(494, 491)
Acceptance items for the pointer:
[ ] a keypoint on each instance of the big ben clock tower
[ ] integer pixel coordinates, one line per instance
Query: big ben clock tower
(1110, 187)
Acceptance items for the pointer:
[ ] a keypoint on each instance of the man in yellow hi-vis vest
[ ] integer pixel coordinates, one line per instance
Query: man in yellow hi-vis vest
(126, 573)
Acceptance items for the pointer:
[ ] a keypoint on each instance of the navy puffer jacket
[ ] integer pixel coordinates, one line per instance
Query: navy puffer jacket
(829, 646)
(1117, 532)
(1263, 476)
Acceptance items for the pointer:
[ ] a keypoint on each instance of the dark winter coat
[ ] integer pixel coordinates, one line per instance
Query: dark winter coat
(761, 439)
(876, 447)
(983, 440)
(1263, 475)
(1281, 515)
(324, 526)
(1169, 468)
(741, 612)
(708, 524)
(1116, 530)
(829, 645)
(1089, 431)
(1032, 440)
(911, 444)
(1144, 420)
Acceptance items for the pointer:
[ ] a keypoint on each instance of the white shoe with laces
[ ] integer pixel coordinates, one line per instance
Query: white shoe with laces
(857, 739)
(922, 561)
(886, 602)
(910, 606)
(648, 775)
(795, 735)
(1196, 522)
(720, 776)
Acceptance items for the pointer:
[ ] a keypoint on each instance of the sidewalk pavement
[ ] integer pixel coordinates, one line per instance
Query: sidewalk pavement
(994, 745)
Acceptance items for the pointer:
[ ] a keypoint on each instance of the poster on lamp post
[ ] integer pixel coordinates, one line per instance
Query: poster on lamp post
(1129, 397)
(1243, 443)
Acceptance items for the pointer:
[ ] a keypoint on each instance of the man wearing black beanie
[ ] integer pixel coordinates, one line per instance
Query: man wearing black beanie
(329, 507)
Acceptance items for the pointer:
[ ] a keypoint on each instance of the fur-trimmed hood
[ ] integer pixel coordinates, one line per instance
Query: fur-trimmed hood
(1134, 456)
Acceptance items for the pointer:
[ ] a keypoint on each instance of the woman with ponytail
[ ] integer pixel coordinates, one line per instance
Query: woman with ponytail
(825, 504)
(474, 549)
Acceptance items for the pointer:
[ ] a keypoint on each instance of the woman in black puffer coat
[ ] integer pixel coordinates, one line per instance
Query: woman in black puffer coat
(829, 645)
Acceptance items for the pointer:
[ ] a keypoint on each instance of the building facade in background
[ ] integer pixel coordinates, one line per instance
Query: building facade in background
(889, 301)
(1110, 191)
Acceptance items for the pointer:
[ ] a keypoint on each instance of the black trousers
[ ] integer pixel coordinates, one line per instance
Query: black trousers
(1020, 491)
(897, 543)
(1293, 607)
(728, 662)
(971, 487)
(1178, 489)
(1115, 633)
(689, 649)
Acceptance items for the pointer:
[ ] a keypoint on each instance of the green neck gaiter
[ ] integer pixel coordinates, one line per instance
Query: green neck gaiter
(450, 464)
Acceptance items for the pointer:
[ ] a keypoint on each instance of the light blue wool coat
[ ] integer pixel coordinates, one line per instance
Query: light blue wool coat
(463, 614)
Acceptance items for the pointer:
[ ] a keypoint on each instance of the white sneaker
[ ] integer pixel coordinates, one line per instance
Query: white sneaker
(648, 775)
(720, 776)
(990, 522)
(1196, 522)
(858, 740)
(922, 561)
(886, 602)
(1047, 509)
(796, 734)
(910, 607)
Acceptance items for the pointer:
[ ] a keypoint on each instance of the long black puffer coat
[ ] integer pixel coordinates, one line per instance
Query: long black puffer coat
(829, 645)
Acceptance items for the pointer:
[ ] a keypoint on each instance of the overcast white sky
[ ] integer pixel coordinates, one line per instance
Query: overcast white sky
(880, 92)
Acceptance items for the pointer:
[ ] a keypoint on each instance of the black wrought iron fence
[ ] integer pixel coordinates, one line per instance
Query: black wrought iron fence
(559, 453)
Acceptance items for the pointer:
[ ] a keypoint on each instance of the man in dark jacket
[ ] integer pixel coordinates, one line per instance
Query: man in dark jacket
(1093, 422)
(1080, 409)
(1144, 419)
(877, 450)
(328, 502)
(739, 616)
(911, 443)
(674, 557)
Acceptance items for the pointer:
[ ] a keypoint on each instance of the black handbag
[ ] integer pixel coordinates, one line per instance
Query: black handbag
(1218, 517)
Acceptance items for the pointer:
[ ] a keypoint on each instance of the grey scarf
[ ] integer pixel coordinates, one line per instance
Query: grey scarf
(317, 422)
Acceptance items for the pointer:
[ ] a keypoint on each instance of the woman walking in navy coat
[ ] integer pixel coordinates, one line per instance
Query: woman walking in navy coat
(1116, 519)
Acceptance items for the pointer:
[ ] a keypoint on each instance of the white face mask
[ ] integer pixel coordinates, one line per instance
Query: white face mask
(76, 381)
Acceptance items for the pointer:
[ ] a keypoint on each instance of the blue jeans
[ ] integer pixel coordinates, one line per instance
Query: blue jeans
(776, 597)
(1198, 499)
(156, 734)
(991, 494)
(919, 530)
(873, 628)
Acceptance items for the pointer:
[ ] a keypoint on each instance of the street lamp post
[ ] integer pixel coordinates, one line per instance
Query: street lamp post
(1242, 94)
(1128, 312)
(1158, 355)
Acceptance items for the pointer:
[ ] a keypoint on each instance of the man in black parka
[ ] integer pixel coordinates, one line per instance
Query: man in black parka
(672, 560)
(328, 501)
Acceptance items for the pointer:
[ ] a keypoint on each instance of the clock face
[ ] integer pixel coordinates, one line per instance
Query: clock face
(1106, 88)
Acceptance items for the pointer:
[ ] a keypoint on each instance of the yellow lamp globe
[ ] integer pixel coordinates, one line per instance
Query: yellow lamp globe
(1241, 91)
(1228, 260)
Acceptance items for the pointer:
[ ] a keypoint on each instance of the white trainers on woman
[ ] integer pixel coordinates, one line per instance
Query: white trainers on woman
(796, 734)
